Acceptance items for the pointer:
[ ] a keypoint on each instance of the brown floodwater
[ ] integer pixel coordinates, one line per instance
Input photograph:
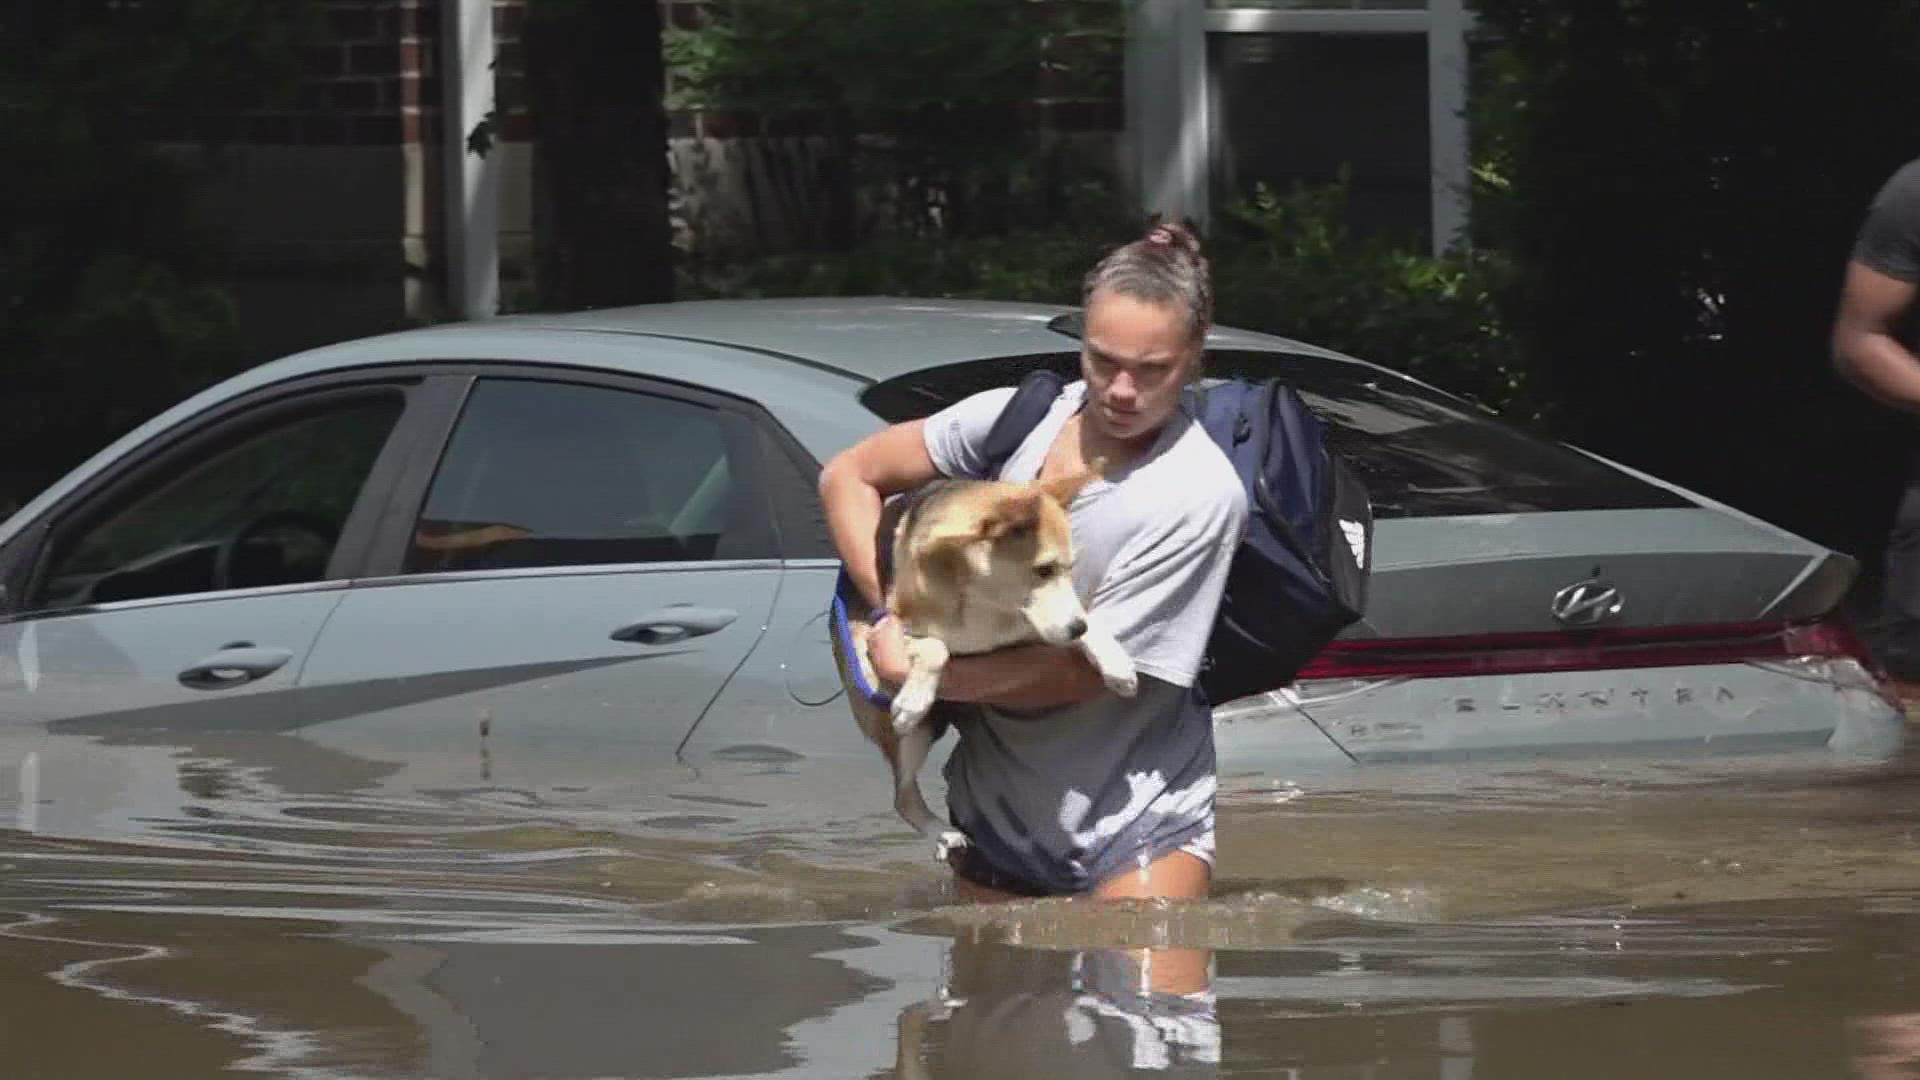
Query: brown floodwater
(276, 906)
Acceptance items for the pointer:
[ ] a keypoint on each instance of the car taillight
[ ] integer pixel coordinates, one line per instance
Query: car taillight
(1513, 654)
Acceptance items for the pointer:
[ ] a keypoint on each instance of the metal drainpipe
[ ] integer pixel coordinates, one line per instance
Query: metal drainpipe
(472, 181)
(1449, 184)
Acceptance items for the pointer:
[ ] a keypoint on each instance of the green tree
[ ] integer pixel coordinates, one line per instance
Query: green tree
(109, 301)
(594, 83)
(1678, 185)
(911, 112)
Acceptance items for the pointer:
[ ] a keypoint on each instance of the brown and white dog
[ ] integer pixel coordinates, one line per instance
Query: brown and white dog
(976, 566)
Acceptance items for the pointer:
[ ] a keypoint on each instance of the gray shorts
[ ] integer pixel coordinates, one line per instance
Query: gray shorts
(1056, 805)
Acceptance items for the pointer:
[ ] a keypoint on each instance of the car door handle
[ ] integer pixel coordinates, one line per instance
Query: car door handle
(676, 623)
(236, 665)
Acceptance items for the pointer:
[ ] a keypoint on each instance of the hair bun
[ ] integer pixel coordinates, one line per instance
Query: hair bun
(1173, 234)
(1161, 266)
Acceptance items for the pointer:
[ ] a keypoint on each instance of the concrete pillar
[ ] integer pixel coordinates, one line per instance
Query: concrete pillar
(1168, 124)
(472, 180)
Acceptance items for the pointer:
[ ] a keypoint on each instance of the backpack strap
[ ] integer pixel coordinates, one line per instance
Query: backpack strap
(1029, 405)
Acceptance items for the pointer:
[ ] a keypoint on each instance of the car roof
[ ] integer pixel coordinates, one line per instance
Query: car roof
(865, 338)
(800, 353)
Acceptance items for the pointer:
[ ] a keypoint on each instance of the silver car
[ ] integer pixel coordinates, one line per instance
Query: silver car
(600, 531)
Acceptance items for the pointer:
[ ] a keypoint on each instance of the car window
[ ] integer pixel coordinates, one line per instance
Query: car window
(556, 474)
(264, 509)
(1421, 453)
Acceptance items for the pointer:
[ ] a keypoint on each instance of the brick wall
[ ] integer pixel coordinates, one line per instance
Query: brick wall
(369, 76)
(374, 79)
(334, 197)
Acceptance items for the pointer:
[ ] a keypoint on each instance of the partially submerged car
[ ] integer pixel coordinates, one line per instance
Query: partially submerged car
(601, 529)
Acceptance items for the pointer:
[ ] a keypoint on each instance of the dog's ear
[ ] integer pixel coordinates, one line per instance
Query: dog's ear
(951, 552)
(1064, 489)
(1005, 513)
(1009, 514)
(980, 558)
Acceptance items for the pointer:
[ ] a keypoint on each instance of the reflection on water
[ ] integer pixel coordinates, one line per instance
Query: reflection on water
(272, 905)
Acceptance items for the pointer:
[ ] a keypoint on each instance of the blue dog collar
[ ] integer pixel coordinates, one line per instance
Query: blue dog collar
(843, 632)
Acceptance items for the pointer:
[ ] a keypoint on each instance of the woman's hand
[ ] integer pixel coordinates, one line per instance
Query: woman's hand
(887, 651)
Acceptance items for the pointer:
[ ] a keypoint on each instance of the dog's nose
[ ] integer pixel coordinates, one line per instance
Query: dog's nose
(1076, 628)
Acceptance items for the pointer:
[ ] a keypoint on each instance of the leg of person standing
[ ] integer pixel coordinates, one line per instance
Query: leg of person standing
(1874, 338)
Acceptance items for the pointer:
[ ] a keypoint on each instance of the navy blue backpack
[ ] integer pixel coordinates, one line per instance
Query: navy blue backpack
(1300, 574)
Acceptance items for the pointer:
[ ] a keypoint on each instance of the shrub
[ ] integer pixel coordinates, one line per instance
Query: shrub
(1283, 263)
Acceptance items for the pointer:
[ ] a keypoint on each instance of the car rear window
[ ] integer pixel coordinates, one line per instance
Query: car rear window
(1422, 453)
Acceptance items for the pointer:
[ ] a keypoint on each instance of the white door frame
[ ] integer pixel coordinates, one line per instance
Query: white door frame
(1171, 128)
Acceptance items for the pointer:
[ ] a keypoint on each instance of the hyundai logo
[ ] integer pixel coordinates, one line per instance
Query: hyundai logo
(1588, 603)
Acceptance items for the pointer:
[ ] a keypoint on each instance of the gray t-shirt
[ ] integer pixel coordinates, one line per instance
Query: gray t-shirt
(1889, 240)
(1068, 798)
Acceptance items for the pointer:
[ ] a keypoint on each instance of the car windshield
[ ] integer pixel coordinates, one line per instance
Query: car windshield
(1422, 453)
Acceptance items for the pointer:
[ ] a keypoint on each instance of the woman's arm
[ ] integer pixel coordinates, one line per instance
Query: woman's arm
(857, 481)
(1019, 677)
(852, 487)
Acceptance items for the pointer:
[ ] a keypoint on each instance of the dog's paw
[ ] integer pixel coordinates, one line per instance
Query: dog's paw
(1111, 661)
(943, 1003)
(948, 843)
(910, 706)
(905, 720)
